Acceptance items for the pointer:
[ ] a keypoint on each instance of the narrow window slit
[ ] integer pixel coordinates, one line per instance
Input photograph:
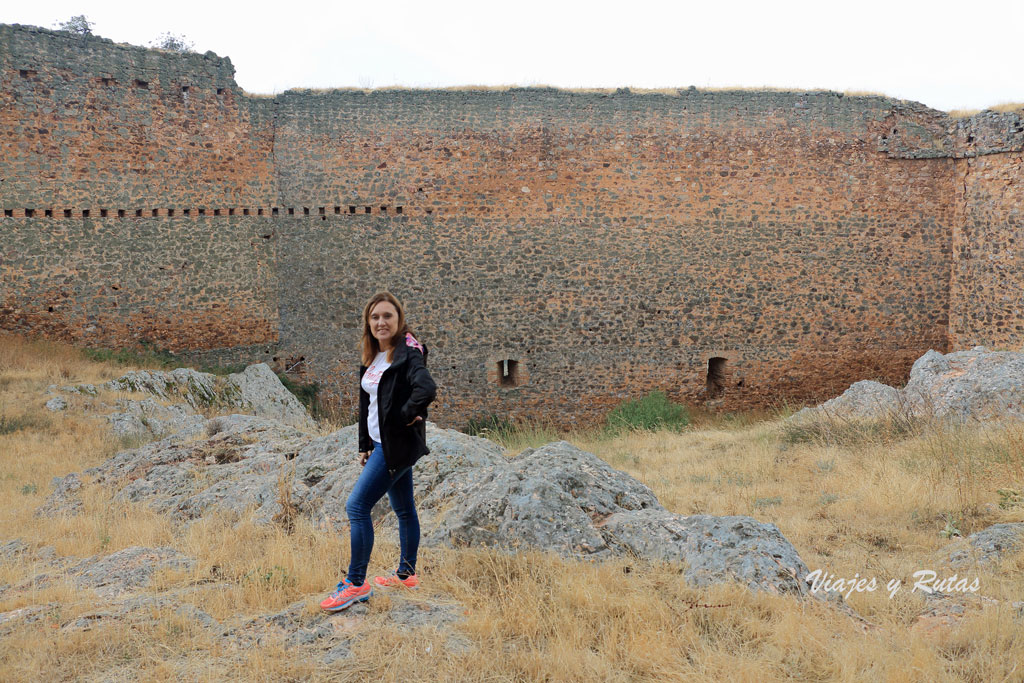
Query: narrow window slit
(508, 373)
(715, 384)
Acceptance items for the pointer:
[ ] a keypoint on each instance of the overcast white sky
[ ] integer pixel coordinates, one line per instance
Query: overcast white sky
(948, 55)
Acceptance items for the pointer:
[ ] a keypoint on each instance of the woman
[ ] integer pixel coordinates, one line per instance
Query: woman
(395, 390)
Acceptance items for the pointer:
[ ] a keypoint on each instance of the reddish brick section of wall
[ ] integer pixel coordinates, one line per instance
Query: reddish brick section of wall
(557, 251)
(89, 124)
(988, 279)
(613, 244)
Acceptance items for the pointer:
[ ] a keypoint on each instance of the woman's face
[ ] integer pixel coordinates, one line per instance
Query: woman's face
(383, 323)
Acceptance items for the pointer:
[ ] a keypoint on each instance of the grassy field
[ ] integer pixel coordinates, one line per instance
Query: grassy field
(875, 501)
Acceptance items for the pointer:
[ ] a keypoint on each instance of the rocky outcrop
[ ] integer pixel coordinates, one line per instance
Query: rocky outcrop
(122, 580)
(151, 418)
(556, 498)
(256, 390)
(965, 385)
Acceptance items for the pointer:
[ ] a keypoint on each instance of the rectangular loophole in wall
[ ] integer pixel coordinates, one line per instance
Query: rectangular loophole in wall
(8, 213)
(67, 213)
(383, 209)
(170, 213)
(103, 213)
(323, 211)
(231, 212)
(202, 212)
(85, 213)
(367, 209)
(508, 373)
(275, 211)
(337, 210)
(30, 213)
(138, 213)
(351, 209)
(259, 212)
(155, 213)
(107, 82)
(715, 383)
(245, 212)
(120, 213)
(142, 85)
(398, 209)
(220, 91)
(27, 73)
(305, 211)
(216, 212)
(48, 213)
(291, 211)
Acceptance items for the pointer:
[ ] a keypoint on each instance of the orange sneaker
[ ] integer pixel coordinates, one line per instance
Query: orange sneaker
(394, 581)
(346, 595)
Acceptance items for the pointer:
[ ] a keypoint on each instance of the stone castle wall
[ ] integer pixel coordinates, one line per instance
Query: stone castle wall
(558, 251)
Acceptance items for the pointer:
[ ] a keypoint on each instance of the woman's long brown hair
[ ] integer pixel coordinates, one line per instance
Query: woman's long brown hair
(369, 345)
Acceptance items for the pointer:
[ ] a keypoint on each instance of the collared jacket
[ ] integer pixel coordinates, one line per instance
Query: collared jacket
(405, 391)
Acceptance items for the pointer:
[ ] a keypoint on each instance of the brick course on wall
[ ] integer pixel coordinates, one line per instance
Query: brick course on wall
(599, 244)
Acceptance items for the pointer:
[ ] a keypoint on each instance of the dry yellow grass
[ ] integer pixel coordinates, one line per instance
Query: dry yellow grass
(874, 507)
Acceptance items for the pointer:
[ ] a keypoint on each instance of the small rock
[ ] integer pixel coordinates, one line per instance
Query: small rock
(56, 403)
(987, 546)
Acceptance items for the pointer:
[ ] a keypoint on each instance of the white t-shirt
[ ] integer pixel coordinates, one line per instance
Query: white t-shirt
(371, 379)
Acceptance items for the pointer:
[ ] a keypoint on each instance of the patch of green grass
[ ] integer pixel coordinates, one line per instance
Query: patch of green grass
(650, 413)
(148, 356)
(9, 425)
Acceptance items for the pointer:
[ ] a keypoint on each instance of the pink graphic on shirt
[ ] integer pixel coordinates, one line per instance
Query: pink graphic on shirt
(373, 375)
(411, 342)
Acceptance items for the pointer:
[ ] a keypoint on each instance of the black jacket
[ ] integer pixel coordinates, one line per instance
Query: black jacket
(405, 391)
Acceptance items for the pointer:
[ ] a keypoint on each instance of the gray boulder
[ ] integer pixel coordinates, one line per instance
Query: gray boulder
(256, 390)
(713, 549)
(987, 546)
(866, 399)
(56, 403)
(554, 498)
(975, 384)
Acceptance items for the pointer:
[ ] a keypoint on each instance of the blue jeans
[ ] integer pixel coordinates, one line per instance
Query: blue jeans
(371, 486)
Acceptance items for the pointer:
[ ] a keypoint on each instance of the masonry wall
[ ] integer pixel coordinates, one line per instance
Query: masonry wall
(611, 244)
(558, 251)
(988, 280)
(121, 169)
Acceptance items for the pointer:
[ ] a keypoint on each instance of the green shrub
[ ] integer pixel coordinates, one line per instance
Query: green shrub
(652, 412)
